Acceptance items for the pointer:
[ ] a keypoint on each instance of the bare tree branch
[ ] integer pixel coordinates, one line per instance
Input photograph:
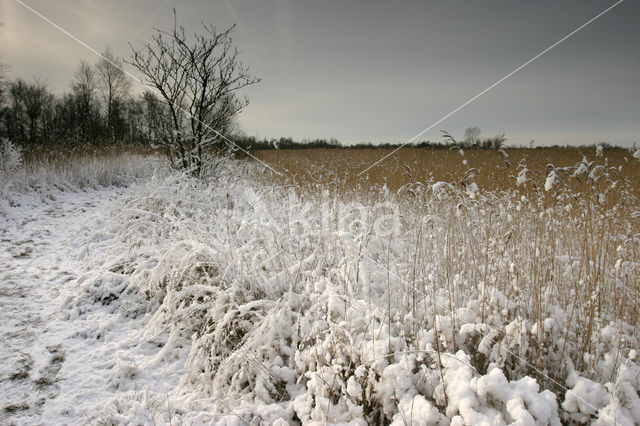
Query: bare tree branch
(197, 78)
(114, 85)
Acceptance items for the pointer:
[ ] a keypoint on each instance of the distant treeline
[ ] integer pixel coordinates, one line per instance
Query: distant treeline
(98, 109)
(250, 143)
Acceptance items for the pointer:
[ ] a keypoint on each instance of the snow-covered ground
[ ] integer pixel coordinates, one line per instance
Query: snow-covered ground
(235, 301)
(46, 367)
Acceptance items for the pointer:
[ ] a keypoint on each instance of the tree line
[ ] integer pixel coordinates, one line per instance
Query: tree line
(471, 140)
(98, 109)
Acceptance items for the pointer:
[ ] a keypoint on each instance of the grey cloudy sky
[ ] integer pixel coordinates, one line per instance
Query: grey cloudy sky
(380, 70)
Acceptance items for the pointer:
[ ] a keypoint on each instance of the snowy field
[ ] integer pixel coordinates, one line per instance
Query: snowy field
(131, 295)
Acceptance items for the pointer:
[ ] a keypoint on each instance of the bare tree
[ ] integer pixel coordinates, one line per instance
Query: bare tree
(471, 136)
(30, 110)
(197, 79)
(157, 118)
(37, 100)
(17, 116)
(4, 68)
(114, 85)
(84, 88)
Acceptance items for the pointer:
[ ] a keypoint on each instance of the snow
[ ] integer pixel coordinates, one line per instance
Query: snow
(440, 186)
(583, 168)
(551, 181)
(173, 300)
(49, 358)
(522, 176)
(10, 156)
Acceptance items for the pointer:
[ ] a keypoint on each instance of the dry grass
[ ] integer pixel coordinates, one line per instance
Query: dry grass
(79, 167)
(573, 245)
(339, 168)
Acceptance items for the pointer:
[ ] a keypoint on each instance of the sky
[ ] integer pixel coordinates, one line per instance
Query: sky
(373, 71)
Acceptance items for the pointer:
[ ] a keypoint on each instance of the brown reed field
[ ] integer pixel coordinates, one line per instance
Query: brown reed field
(593, 198)
(490, 169)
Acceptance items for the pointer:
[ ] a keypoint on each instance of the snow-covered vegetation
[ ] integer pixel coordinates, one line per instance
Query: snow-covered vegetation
(251, 301)
(10, 156)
